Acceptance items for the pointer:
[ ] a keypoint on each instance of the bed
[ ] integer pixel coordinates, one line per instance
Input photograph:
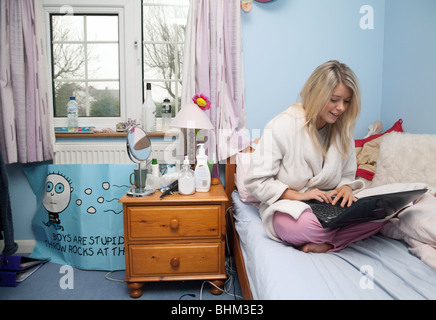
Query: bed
(397, 263)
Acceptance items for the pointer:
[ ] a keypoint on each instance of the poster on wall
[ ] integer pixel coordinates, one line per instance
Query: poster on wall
(79, 221)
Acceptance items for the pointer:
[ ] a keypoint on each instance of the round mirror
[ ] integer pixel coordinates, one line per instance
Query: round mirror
(138, 145)
(139, 150)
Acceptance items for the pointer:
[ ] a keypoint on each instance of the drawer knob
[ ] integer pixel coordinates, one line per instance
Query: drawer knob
(175, 262)
(174, 224)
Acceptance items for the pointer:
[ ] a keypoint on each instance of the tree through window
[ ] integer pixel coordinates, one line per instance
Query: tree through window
(85, 57)
(164, 24)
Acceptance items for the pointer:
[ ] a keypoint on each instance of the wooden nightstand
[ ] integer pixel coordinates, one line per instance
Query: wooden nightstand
(177, 238)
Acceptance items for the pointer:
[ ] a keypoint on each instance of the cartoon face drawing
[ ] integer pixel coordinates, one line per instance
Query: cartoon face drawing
(57, 196)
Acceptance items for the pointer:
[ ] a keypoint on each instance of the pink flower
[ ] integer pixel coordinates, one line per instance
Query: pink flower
(202, 101)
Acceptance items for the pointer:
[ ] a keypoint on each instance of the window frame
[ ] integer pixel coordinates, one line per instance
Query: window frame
(130, 54)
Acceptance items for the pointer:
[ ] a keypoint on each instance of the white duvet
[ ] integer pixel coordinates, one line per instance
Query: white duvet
(416, 225)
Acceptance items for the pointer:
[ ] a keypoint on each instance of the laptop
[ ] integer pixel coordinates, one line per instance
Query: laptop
(364, 209)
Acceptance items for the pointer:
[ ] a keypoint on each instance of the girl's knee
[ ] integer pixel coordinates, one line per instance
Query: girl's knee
(286, 221)
(299, 231)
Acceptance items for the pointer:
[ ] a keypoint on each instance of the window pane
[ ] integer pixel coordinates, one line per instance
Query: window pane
(162, 90)
(165, 23)
(68, 28)
(103, 61)
(104, 99)
(63, 92)
(102, 28)
(161, 61)
(68, 61)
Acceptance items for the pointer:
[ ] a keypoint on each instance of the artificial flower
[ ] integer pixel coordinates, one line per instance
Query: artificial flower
(202, 101)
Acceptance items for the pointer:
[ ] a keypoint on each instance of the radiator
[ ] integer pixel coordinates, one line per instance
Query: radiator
(113, 153)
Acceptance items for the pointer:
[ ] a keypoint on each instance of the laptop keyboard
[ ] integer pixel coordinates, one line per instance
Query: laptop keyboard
(326, 211)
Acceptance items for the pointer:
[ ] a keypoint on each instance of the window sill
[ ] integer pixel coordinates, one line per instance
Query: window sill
(110, 134)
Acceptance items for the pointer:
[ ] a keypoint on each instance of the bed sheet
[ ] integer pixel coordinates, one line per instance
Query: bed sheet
(375, 268)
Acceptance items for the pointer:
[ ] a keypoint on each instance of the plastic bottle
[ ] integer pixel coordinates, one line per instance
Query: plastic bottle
(148, 111)
(166, 115)
(73, 115)
(202, 173)
(155, 168)
(186, 178)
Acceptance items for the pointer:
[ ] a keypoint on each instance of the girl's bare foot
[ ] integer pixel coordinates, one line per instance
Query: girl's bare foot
(316, 247)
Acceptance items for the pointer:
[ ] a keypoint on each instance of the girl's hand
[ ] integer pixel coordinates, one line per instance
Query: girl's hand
(314, 194)
(346, 193)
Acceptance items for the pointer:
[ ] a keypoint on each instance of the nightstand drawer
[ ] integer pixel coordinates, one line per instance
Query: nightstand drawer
(170, 260)
(165, 222)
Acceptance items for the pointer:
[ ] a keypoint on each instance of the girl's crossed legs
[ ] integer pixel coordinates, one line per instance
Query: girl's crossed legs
(307, 233)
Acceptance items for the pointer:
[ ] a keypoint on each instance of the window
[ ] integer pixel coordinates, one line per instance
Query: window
(85, 60)
(163, 26)
(98, 58)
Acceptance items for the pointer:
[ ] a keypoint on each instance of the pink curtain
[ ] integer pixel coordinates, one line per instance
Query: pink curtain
(213, 65)
(26, 129)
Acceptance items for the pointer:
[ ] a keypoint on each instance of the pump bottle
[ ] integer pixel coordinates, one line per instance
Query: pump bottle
(202, 172)
(186, 178)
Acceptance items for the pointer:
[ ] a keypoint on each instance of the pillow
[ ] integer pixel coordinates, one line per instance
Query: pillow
(416, 225)
(367, 151)
(407, 157)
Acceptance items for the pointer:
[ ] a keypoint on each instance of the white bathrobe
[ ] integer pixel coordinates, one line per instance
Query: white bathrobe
(286, 158)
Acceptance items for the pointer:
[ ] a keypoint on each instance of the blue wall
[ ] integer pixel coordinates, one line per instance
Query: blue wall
(285, 40)
(409, 68)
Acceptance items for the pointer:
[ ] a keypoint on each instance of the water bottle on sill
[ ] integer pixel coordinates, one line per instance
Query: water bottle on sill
(166, 115)
(73, 115)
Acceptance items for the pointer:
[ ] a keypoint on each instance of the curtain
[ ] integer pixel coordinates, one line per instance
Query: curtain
(213, 65)
(26, 129)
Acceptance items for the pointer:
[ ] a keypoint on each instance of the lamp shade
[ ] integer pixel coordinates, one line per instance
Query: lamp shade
(192, 117)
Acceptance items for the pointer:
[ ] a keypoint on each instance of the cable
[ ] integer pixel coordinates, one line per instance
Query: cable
(227, 285)
(112, 279)
(230, 282)
(187, 294)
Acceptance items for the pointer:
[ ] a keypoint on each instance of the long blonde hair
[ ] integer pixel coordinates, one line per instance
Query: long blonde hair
(315, 95)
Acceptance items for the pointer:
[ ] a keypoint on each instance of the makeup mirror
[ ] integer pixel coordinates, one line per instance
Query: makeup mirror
(139, 150)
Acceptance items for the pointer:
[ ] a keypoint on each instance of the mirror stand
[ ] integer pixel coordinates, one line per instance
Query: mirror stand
(139, 149)
(138, 191)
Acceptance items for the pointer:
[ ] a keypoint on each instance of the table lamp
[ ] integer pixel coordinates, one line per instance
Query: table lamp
(191, 117)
